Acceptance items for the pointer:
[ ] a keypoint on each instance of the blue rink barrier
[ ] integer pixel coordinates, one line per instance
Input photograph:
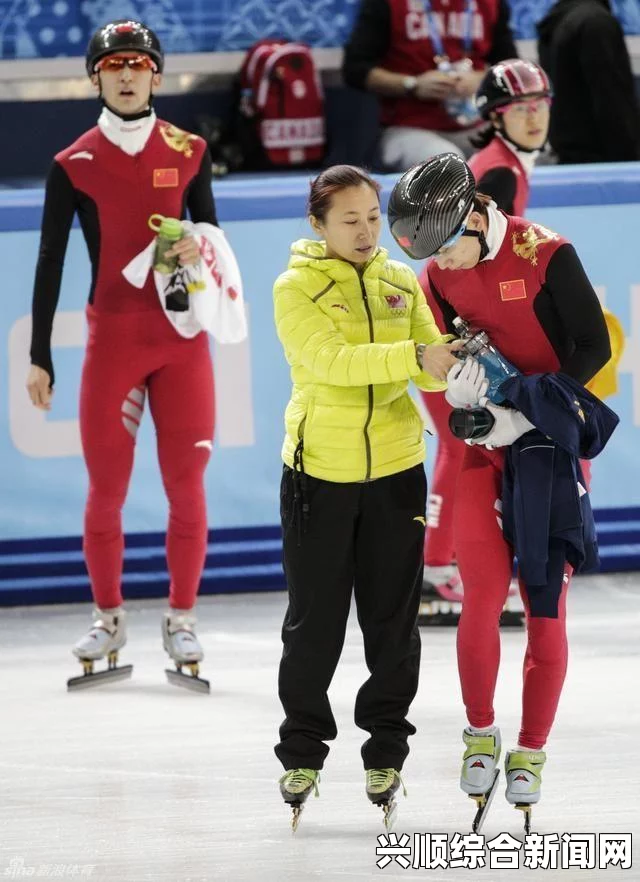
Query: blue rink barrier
(265, 197)
(238, 560)
(42, 475)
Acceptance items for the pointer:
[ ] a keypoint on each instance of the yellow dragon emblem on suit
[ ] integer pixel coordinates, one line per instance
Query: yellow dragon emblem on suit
(177, 139)
(526, 244)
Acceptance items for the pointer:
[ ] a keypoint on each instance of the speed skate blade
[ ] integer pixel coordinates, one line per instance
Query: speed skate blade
(483, 809)
(390, 814)
(100, 678)
(526, 809)
(295, 818)
(188, 681)
(439, 614)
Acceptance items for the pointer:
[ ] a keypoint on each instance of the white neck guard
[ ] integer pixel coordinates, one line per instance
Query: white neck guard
(496, 232)
(526, 158)
(129, 135)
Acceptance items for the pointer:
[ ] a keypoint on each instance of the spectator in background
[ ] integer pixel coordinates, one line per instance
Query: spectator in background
(595, 114)
(425, 59)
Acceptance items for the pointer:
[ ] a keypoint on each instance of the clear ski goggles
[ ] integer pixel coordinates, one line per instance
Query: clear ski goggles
(526, 106)
(117, 63)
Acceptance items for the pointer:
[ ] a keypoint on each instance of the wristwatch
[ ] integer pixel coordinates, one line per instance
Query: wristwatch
(420, 348)
(410, 84)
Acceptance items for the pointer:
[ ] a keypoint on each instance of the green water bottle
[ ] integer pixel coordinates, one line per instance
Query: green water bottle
(168, 230)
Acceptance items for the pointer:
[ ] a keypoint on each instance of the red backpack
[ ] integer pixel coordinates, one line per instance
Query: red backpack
(282, 105)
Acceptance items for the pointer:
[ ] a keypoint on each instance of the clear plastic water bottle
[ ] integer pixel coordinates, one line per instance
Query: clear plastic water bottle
(497, 368)
(463, 110)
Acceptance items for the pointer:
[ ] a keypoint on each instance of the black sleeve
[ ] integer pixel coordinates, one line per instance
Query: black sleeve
(502, 44)
(199, 199)
(57, 217)
(608, 78)
(580, 315)
(368, 43)
(448, 312)
(500, 184)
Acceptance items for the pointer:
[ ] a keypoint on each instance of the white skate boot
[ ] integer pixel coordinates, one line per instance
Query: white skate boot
(523, 769)
(180, 642)
(105, 638)
(479, 775)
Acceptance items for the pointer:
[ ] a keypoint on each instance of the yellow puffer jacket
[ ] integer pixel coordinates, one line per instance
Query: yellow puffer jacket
(350, 342)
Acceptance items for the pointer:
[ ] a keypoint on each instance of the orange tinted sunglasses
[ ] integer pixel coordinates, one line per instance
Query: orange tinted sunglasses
(117, 63)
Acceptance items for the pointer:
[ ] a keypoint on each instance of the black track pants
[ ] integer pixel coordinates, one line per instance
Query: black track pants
(362, 537)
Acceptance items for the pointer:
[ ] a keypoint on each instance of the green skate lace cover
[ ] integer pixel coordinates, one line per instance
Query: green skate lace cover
(477, 745)
(299, 780)
(379, 780)
(530, 761)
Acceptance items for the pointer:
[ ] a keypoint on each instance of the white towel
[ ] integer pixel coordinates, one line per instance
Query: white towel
(216, 301)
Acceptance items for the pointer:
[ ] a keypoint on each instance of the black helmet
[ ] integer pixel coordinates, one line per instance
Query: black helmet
(429, 204)
(509, 81)
(123, 35)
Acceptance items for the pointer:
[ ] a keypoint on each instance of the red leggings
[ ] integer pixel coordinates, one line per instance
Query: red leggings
(439, 549)
(129, 355)
(485, 560)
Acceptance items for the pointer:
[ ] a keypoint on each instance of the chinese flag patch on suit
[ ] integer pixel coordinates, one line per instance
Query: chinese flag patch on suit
(513, 290)
(165, 177)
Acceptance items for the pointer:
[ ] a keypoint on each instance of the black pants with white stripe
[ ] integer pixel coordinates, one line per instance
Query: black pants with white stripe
(360, 538)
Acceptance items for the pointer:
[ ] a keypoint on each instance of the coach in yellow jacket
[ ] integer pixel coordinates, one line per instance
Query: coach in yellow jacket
(355, 328)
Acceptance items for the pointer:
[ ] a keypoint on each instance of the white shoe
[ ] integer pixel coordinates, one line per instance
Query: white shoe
(108, 634)
(179, 638)
(480, 760)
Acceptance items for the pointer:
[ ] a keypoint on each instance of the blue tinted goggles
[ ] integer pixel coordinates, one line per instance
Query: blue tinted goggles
(452, 239)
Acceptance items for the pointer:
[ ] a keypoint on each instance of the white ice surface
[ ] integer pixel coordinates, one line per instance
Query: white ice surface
(142, 781)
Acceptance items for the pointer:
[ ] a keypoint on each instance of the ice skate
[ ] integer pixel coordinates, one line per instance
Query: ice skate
(442, 595)
(295, 787)
(479, 775)
(523, 769)
(180, 641)
(381, 788)
(105, 638)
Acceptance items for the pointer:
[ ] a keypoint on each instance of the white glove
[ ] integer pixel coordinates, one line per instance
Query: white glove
(508, 427)
(466, 383)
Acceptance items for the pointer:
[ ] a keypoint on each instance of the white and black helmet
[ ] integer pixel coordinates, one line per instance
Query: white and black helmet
(430, 203)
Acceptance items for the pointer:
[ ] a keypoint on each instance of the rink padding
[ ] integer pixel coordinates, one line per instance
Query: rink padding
(285, 196)
(238, 560)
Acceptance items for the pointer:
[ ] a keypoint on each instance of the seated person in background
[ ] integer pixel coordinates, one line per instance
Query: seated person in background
(425, 59)
(595, 116)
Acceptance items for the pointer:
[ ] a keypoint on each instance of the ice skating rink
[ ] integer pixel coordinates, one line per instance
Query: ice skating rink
(143, 781)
